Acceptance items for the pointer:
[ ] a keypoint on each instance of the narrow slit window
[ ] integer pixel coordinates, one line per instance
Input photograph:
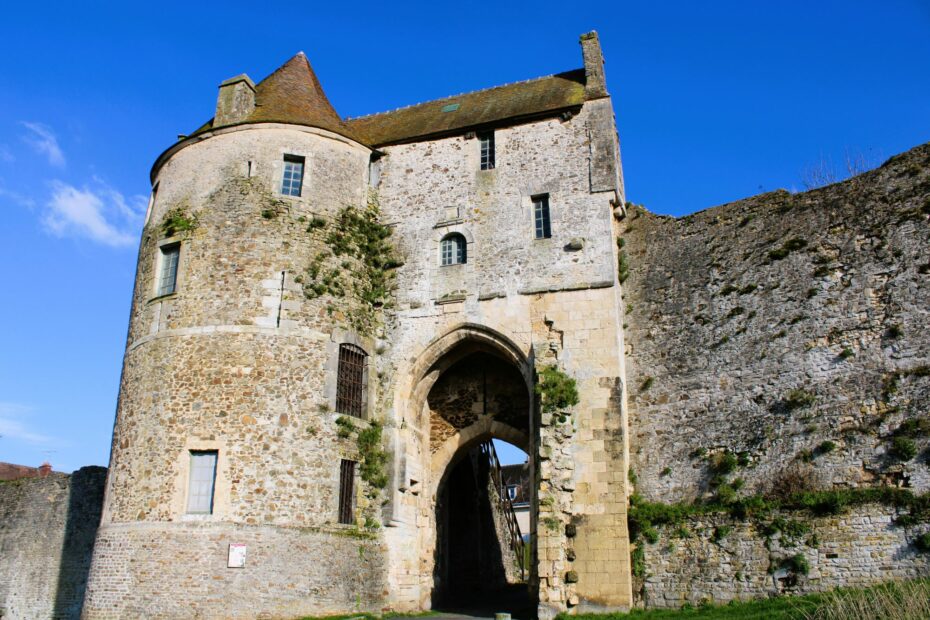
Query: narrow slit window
(350, 380)
(293, 177)
(487, 150)
(347, 492)
(541, 216)
(452, 250)
(168, 269)
(202, 482)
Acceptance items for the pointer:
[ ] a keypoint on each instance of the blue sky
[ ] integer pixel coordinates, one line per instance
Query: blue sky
(715, 101)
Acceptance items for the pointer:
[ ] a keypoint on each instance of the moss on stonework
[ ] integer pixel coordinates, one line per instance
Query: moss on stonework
(178, 221)
(358, 263)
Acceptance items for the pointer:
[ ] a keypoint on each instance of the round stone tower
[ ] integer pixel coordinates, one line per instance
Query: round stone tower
(232, 487)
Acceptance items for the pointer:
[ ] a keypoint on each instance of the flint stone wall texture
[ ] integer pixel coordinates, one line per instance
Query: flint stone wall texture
(792, 330)
(860, 548)
(726, 331)
(239, 361)
(47, 528)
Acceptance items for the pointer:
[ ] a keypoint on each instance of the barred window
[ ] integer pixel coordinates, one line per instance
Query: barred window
(293, 175)
(541, 216)
(202, 479)
(347, 492)
(350, 380)
(168, 269)
(487, 150)
(452, 249)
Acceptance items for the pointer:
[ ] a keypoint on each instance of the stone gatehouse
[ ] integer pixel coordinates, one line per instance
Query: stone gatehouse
(332, 318)
(330, 315)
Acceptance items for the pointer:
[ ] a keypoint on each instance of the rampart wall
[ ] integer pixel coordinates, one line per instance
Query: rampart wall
(47, 529)
(775, 346)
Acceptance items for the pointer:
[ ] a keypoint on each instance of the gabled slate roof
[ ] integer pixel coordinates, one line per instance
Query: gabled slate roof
(484, 107)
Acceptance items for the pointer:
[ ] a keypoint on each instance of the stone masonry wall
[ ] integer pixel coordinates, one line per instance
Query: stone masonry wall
(241, 361)
(555, 301)
(788, 330)
(694, 564)
(47, 528)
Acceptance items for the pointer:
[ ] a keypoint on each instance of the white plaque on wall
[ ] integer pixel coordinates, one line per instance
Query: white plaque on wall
(236, 555)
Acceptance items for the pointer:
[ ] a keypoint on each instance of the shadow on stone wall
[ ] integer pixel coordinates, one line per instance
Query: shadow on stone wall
(85, 505)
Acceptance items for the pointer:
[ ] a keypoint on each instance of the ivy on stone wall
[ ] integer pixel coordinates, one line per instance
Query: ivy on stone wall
(644, 516)
(373, 457)
(358, 262)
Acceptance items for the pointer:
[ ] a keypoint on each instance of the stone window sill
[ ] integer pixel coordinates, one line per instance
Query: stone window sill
(164, 297)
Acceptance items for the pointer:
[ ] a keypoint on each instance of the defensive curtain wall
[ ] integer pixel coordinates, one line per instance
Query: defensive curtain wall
(47, 528)
(777, 347)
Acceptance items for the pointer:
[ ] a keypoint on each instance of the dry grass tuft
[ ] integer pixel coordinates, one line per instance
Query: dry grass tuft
(909, 600)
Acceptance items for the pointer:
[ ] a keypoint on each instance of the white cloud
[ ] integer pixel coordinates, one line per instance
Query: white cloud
(43, 140)
(12, 425)
(101, 214)
(6, 155)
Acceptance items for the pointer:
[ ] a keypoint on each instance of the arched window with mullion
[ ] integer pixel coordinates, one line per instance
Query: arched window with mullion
(452, 250)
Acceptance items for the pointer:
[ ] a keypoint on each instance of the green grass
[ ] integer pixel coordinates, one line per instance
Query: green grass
(891, 601)
(367, 616)
(774, 608)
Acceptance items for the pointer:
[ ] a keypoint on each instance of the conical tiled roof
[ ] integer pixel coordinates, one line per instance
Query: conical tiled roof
(293, 95)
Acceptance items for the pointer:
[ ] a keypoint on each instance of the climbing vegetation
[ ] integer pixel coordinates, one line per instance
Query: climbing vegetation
(178, 221)
(358, 262)
(557, 391)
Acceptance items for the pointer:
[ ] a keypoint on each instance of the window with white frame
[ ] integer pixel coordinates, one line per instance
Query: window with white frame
(486, 140)
(168, 269)
(452, 250)
(293, 177)
(541, 216)
(202, 480)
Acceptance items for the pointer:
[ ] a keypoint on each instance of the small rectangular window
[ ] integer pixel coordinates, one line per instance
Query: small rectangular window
(347, 492)
(541, 216)
(202, 479)
(293, 177)
(487, 150)
(350, 380)
(168, 269)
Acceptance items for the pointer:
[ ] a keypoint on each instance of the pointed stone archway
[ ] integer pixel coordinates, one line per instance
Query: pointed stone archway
(474, 385)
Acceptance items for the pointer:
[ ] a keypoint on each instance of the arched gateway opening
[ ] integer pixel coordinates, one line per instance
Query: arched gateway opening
(478, 390)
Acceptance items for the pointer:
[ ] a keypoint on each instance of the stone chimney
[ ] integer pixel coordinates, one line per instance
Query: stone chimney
(595, 84)
(235, 102)
(45, 469)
